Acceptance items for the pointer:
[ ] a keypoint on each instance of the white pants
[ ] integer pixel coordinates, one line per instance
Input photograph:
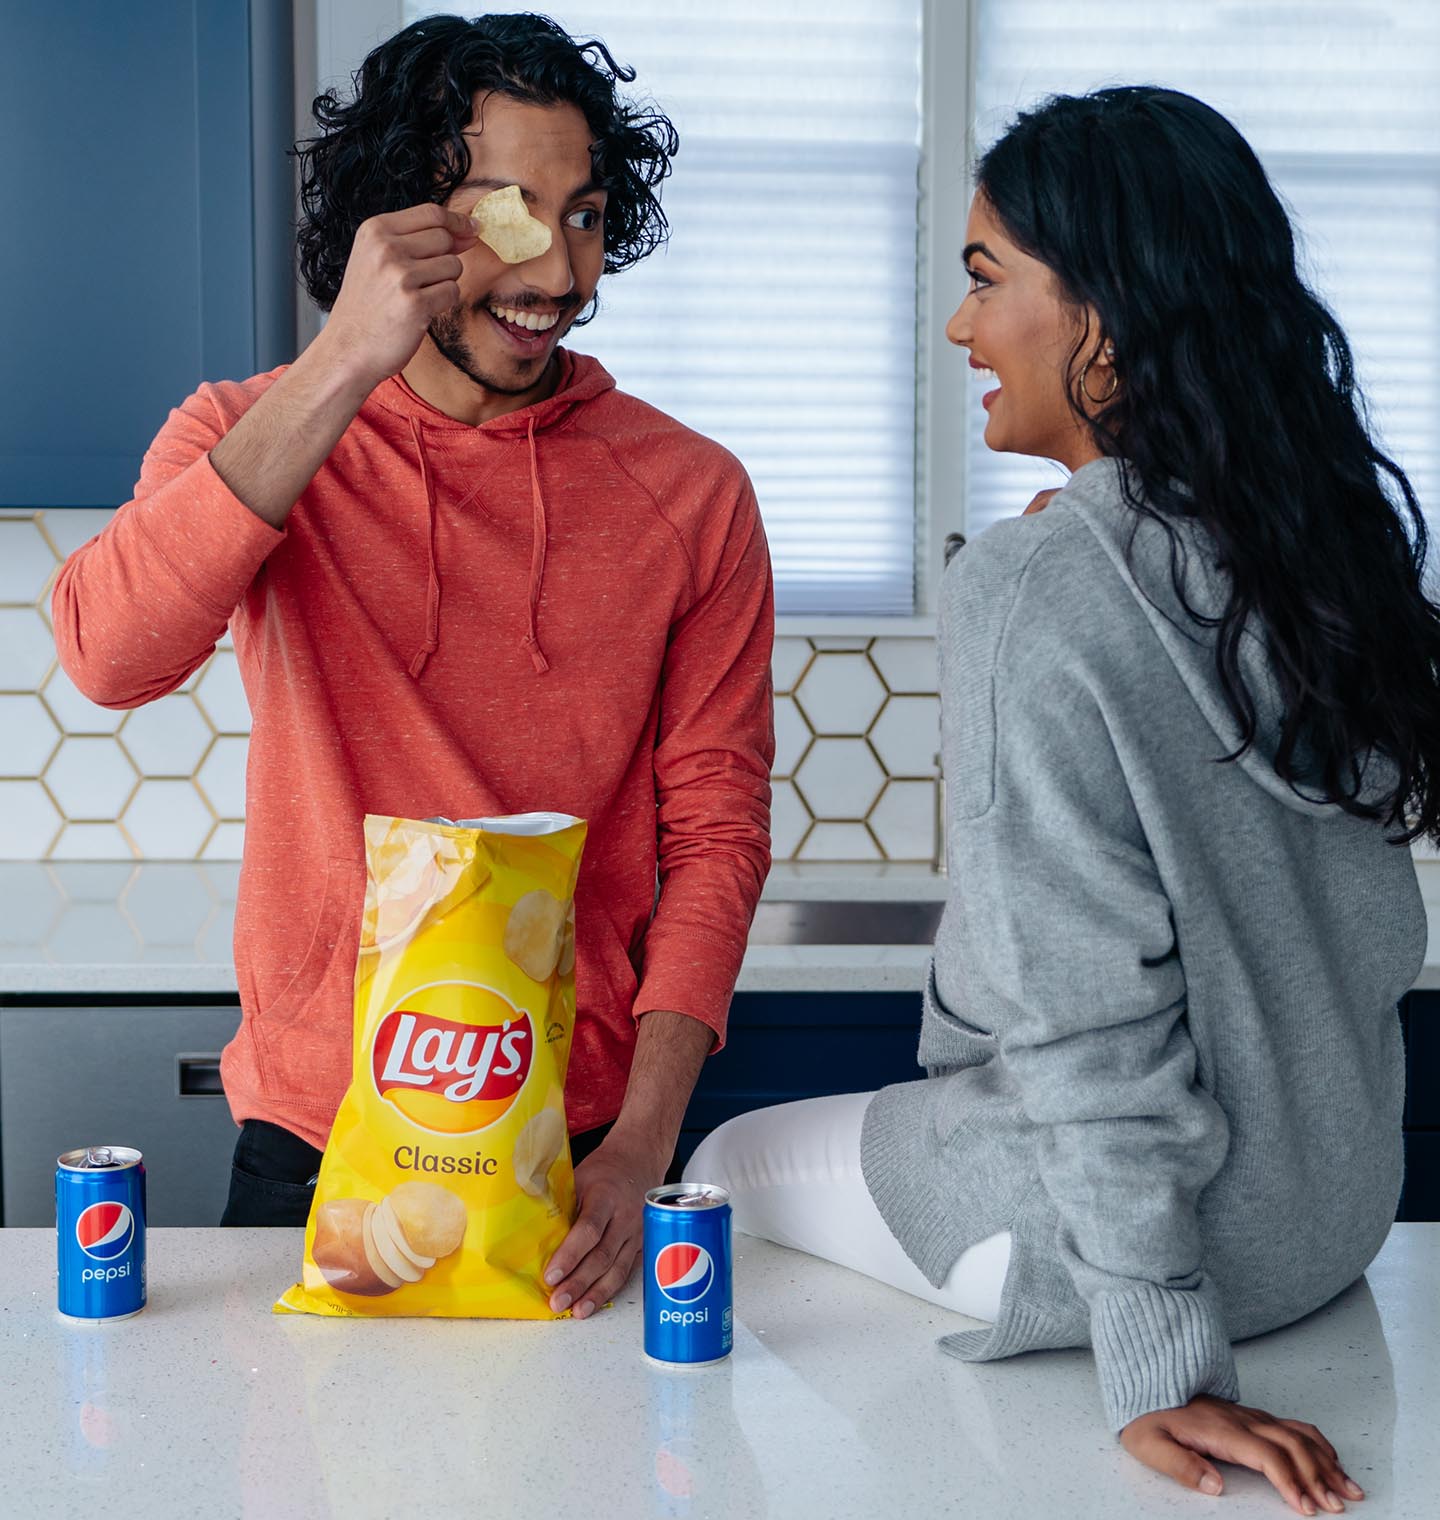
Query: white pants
(793, 1172)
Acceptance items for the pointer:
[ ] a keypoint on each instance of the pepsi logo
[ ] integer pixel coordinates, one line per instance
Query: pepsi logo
(104, 1231)
(684, 1272)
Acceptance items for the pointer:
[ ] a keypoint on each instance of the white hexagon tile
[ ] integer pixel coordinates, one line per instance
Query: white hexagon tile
(788, 663)
(221, 778)
(904, 820)
(92, 841)
(840, 694)
(90, 779)
(226, 843)
(26, 561)
(28, 735)
(840, 778)
(27, 649)
(905, 665)
(856, 727)
(839, 841)
(792, 736)
(75, 712)
(166, 738)
(168, 820)
(221, 694)
(29, 820)
(790, 820)
(906, 735)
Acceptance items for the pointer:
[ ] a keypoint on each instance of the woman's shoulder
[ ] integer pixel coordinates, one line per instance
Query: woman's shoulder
(1052, 564)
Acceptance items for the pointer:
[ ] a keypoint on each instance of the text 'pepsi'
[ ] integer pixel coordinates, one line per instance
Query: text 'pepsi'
(688, 1269)
(100, 1232)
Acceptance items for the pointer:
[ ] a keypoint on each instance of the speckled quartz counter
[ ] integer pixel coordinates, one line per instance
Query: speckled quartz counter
(835, 1404)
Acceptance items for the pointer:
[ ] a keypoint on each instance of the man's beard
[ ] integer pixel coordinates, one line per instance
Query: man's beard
(448, 335)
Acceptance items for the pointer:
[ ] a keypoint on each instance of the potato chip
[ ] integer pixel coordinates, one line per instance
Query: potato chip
(502, 222)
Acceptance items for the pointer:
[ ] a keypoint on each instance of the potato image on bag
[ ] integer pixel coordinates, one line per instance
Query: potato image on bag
(446, 1185)
(535, 934)
(537, 1148)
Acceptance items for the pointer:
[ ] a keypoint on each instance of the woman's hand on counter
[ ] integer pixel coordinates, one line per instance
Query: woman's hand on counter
(1295, 1457)
(595, 1259)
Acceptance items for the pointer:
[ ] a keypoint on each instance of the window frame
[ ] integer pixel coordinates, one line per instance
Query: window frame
(333, 36)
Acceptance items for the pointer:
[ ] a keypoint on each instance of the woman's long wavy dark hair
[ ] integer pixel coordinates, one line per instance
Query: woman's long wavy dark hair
(1236, 382)
(400, 141)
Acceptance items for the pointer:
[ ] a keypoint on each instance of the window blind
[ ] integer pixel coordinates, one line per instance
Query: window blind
(780, 320)
(1342, 104)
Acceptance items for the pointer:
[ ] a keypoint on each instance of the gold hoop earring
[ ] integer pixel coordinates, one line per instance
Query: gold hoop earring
(1098, 400)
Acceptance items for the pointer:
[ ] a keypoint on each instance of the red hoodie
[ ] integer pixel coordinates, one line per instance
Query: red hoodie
(568, 608)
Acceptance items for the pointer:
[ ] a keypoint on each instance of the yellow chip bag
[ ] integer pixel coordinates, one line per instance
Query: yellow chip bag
(446, 1184)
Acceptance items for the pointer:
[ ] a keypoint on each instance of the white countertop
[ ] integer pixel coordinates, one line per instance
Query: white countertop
(165, 927)
(835, 1404)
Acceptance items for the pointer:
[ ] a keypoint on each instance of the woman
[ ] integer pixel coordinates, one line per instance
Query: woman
(1190, 720)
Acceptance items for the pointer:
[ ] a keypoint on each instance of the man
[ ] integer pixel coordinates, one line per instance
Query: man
(465, 576)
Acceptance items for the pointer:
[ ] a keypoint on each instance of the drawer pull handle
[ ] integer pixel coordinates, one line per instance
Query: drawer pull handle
(199, 1076)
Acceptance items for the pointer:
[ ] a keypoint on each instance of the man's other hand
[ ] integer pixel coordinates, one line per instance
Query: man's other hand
(596, 1258)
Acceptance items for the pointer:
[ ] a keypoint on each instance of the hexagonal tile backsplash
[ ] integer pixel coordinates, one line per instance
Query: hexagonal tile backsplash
(857, 727)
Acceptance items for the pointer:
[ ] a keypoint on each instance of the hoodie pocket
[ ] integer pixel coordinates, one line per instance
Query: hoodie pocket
(947, 1042)
(330, 954)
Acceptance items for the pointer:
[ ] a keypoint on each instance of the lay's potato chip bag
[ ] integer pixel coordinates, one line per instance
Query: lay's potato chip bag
(446, 1184)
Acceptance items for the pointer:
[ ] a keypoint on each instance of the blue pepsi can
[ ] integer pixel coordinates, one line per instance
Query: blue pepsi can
(688, 1309)
(100, 1230)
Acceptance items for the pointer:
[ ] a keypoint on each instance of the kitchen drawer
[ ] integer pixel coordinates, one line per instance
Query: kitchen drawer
(137, 1076)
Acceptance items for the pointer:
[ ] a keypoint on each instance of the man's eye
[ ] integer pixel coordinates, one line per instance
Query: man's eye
(585, 220)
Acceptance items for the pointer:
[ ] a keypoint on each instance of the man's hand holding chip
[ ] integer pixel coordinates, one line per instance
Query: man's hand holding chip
(403, 272)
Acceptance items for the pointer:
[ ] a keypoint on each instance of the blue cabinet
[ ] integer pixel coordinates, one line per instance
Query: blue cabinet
(147, 243)
(781, 1046)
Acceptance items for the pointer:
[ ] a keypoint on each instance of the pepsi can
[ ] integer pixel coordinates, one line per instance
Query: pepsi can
(688, 1310)
(100, 1230)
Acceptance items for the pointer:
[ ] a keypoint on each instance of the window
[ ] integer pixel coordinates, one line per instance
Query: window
(780, 320)
(1342, 103)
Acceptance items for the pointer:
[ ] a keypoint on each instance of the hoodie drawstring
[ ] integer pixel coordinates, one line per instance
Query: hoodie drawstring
(538, 536)
(432, 597)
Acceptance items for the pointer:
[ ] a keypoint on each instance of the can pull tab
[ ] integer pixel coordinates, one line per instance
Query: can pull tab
(98, 1156)
(689, 1200)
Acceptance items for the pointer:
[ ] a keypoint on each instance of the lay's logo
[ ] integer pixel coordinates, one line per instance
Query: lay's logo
(448, 1075)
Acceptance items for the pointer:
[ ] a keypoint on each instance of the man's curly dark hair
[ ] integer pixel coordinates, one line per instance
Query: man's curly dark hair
(401, 142)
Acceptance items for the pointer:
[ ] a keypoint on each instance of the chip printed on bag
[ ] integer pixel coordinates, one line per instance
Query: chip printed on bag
(446, 1184)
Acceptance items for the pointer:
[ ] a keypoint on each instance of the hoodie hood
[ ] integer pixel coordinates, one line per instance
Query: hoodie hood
(581, 380)
(1095, 492)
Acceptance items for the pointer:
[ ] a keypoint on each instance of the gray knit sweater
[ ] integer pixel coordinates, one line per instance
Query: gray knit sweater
(1160, 1030)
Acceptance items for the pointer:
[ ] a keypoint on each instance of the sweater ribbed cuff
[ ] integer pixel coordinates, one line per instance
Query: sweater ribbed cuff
(1157, 1348)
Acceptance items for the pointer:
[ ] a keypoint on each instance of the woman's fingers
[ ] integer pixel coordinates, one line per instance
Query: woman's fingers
(1311, 1433)
(1157, 1448)
(1295, 1457)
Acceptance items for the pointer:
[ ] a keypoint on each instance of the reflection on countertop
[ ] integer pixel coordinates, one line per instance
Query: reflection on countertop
(158, 927)
(836, 1402)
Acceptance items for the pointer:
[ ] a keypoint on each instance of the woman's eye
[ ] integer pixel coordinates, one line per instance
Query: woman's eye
(585, 220)
(976, 278)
